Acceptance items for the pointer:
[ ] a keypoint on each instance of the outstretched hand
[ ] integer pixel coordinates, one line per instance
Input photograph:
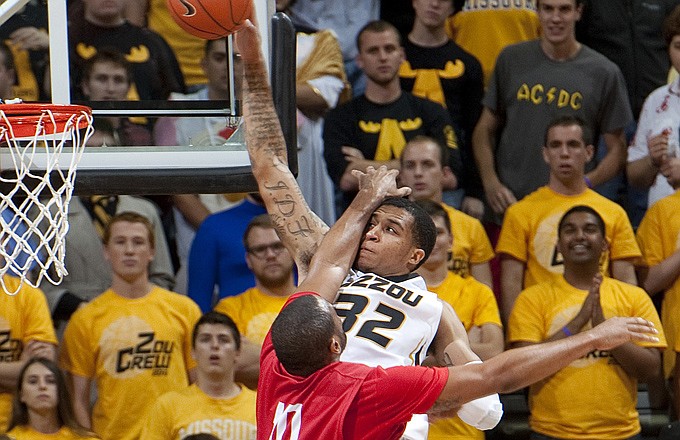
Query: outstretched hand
(381, 183)
(617, 331)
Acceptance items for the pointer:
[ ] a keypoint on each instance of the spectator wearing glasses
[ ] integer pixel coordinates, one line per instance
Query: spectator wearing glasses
(254, 310)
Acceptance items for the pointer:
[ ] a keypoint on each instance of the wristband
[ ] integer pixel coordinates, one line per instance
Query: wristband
(589, 184)
(566, 331)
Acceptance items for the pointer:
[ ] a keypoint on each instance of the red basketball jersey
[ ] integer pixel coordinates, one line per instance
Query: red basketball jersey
(342, 400)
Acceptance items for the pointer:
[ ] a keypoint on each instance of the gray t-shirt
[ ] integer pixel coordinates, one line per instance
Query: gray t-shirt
(528, 90)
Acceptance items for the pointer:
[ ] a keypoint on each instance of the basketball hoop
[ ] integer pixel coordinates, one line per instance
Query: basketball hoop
(46, 142)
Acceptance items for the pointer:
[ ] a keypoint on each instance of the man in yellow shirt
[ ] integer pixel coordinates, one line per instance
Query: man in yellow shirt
(133, 341)
(528, 241)
(659, 239)
(254, 310)
(215, 404)
(423, 169)
(474, 304)
(595, 396)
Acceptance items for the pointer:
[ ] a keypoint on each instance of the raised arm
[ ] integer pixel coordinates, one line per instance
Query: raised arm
(300, 229)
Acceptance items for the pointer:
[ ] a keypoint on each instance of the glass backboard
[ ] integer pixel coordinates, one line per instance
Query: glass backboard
(173, 169)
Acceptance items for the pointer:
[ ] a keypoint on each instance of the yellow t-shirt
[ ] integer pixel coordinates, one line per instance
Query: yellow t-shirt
(253, 312)
(659, 237)
(189, 50)
(593, 397)
(28, 433)
(529, 232)
(178, 414)
(23, 317)
(485, 28)
(471, 245)
(475, 305)
(135, 350)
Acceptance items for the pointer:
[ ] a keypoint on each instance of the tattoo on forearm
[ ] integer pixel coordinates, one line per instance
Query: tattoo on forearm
(304, 227)
(294, 222)
(263, 130)
(286, 206)
(278, 186)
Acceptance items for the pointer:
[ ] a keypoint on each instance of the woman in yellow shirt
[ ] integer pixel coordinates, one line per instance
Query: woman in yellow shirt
(42, 407)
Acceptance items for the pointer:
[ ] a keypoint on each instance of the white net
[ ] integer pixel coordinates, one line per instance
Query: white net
(34, 214)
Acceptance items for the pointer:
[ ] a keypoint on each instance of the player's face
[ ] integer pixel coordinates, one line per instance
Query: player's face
(442, 246)
(567, 153)
(39, 389)
(380, 56)
(269, 260)
(432, 13)
(422, 170)
(386, 247)
(674, 52)
(558, 20)
(107, 82)
(215, 349)
(129, 250)
(215, 66)
(580, 239)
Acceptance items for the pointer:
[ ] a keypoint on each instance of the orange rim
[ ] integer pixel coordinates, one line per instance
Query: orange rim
(23, 118)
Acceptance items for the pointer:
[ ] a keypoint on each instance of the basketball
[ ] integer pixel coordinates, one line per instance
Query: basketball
(210, 19)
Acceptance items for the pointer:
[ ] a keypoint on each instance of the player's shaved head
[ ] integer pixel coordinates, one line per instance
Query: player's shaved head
(301, 335)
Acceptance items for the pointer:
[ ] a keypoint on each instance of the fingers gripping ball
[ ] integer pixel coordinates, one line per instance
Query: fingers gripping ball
(210, 19)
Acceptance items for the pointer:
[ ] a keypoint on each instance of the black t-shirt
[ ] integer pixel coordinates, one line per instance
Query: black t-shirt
(380, 131)
(453, 77)
(155, 68)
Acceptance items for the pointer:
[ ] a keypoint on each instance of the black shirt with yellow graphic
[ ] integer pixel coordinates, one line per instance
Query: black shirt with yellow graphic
(380, 131)
(452, 77)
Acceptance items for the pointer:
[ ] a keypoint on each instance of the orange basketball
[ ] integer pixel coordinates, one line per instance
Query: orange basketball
(210, 19)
